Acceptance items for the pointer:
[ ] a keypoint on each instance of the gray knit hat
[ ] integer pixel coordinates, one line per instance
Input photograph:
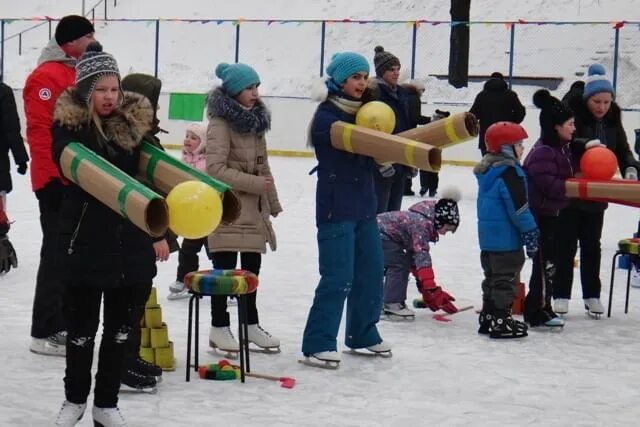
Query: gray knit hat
(384, 60)
(93, 64)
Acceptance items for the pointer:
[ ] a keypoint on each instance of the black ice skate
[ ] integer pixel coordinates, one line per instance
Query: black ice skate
(135, 382)
(484, 321)
(505, 326)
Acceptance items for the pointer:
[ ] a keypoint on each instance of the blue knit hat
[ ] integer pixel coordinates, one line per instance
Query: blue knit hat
(597, 82)
(344, 65)
(236, 77)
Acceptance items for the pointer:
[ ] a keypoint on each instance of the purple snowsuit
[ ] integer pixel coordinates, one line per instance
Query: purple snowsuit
(405, 243)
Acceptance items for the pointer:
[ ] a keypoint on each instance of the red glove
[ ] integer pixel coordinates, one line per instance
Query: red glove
(432, 295)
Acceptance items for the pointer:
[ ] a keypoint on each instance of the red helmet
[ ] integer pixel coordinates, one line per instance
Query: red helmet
(503, 133)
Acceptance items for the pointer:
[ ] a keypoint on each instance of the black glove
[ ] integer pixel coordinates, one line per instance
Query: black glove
(22, 168)
(439, 115)
(530, 239)
(8, 257)
(51, 194)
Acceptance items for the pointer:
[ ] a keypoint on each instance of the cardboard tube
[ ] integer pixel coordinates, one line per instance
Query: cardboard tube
(624, 192)
(384, 147)
(446, 132)
(117, 190)
(163, 171)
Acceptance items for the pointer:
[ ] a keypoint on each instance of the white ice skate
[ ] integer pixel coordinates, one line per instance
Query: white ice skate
(382, 349)
(266, 342)
(55, 345)
(177, 290)
(398, 311)
(222, 338)
(107, 417)
(323, 359)
(561, 306)
(635, 277)
(69, 414)
(594, 307)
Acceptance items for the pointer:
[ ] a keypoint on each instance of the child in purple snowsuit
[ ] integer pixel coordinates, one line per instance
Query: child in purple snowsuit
(405, 243)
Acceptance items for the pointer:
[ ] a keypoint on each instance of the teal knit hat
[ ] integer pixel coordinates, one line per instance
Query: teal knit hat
(236, 77)
(345, 64)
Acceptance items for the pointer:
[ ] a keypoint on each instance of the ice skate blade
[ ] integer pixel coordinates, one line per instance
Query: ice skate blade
(596, 316)
(545, 328)
(397, 318)
(135, 390)
(230, 354)
(368, 353)
(264, 350)
(317, 363)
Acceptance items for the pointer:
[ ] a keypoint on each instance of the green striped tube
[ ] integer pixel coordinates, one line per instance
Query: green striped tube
(157, 155)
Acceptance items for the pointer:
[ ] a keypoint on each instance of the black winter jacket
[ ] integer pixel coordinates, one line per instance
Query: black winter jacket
(10, 138)
(96, 246)
(495, 103)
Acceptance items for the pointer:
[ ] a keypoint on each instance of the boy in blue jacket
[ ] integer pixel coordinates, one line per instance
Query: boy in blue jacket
(505, 224)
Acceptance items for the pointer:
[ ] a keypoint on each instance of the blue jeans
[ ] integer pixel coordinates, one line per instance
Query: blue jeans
(351, 268)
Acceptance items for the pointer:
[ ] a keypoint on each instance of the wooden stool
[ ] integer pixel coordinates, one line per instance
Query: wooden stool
(625, 247)
(236, 283)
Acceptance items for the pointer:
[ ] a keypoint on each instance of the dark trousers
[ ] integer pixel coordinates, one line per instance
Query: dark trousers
(543, 271)
(397, 264)
(188, 259)
(83, 308)
(47, 315)
(576, 225)
(138, 300)
(389, 191)
(249, 261)
(429, 182)
(501, 270)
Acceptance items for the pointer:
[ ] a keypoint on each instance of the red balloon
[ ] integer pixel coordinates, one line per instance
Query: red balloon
(598, 163)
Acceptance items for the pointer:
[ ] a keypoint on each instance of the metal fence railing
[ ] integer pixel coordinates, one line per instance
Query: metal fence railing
(288, 53)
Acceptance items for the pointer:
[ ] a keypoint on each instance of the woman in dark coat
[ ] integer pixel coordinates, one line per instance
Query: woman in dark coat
(597, 116)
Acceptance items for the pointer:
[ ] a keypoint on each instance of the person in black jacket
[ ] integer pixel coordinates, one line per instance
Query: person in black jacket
(496, 103)
(597, 116)
(390, 181)
(10, 140)
(415, 90)
(94, 249)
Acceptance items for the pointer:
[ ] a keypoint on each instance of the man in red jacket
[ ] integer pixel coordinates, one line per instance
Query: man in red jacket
(54, 73)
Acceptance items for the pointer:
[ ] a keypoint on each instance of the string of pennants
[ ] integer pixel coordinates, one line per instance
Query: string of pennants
(298, 22)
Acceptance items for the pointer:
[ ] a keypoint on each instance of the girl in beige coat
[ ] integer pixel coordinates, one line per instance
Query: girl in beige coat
(236, 153)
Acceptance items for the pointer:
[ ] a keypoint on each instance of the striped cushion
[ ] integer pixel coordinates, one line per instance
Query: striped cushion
(221, 282)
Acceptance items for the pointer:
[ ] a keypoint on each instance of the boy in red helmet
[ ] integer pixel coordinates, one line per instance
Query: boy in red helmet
(505, 224)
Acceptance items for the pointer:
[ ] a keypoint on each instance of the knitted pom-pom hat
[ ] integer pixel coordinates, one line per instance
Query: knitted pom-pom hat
(236, 77)
(597, 82)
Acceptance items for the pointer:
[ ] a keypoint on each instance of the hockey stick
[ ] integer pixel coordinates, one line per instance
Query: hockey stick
(286, 382)
(445, 317)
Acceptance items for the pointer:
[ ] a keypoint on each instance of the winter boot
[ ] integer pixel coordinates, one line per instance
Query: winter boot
(594, 307)
(505, 326)
(262, 338)
(107, 417)
(221, 337)
(70, 414)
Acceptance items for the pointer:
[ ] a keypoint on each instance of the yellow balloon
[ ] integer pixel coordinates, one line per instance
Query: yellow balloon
(195, 209)
(376, 115)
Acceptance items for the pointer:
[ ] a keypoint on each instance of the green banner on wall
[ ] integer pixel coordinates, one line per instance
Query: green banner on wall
(187, 106)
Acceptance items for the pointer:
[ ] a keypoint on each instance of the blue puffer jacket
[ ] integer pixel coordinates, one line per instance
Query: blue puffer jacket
(345, 189)
(503, 210)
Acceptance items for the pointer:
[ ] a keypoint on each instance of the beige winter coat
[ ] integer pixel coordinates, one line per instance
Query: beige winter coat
(241, 161)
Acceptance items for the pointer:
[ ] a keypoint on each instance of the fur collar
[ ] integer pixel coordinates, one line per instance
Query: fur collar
(125, 127)
(256, 120)
(493, 160)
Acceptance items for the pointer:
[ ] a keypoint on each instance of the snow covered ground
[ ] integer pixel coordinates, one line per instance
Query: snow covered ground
(440, 373)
